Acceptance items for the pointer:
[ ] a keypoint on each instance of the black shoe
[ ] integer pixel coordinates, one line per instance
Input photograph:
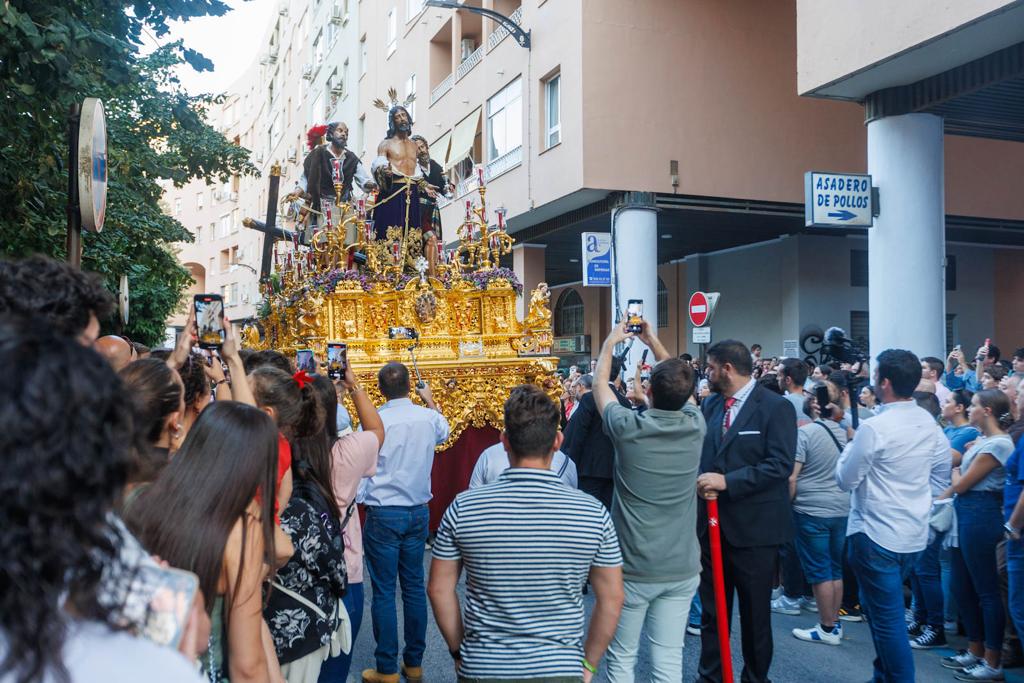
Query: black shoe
(914, 629)
(850, 614)
(930, 637)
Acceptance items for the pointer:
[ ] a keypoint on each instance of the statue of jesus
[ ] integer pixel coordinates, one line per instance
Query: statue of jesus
(401, 180)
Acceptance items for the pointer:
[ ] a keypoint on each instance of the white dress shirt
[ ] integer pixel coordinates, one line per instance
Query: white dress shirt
(895, 464)
(411, 433)
(494, 460)
(739, 400)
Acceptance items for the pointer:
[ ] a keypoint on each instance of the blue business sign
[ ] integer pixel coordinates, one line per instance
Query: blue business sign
(838, 200)
(597, 259)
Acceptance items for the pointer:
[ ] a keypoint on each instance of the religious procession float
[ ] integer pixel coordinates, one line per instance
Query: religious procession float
(371, 275)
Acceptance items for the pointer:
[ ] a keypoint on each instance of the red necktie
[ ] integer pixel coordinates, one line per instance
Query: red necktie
(729, 402)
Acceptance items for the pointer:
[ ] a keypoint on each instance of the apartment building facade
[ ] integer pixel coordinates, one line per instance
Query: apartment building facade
(680, 123)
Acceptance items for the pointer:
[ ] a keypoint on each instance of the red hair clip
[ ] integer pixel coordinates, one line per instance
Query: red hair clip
(302, 379)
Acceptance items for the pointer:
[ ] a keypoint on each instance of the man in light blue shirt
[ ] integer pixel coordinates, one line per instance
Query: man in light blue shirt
(397, 521)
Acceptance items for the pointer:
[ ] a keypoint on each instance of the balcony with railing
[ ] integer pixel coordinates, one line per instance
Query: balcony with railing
(442, 88)
(500, 32)
(469, 62)
(506, 162)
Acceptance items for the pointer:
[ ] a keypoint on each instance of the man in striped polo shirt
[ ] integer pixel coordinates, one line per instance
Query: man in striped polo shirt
(528, 544)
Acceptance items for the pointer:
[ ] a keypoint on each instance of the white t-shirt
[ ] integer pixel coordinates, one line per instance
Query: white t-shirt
(93, 653)
(494, 460)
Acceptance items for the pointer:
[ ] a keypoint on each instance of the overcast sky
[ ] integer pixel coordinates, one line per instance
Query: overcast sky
(231, 42)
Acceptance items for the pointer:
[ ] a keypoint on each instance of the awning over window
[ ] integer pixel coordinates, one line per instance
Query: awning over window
(462, 138)
(439, 148)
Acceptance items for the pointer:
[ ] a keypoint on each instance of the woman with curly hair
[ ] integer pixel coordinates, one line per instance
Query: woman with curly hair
(62, 551)
(221, 485)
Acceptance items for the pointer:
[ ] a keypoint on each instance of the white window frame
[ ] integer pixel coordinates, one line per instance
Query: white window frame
(177, 206)
(392, 31)
(552, 130)
(199, 201)
(497, 111)
(410, 89)
(224, 226)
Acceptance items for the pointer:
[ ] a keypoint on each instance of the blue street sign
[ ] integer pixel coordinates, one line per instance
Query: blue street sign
(838, 199)
(597, 259)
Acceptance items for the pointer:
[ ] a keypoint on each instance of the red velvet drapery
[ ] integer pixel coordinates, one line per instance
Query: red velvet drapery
(453, 467)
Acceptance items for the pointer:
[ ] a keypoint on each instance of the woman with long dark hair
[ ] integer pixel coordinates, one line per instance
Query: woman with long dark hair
(65, 436)
(353, 457)
(220, 486)
(158, 402)
(302, 611)
(979, 497)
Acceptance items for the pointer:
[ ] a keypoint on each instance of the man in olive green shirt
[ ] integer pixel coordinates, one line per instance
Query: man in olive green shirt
(657, 457)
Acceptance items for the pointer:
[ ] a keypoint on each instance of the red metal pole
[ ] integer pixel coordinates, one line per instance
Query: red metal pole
(721, 613)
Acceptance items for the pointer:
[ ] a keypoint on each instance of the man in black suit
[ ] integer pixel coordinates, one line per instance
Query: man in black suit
(745, 463)
(589, 447)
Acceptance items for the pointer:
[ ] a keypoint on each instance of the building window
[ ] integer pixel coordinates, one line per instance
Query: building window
(318, 50)
(412, 8)
(950, 273)
(552, 111)
(225, 260)
(662, 304)
(392, 31)
(225, 294)
(199, 234)
(858, 267)
(225, 226)
(199, 201)
(569, 314)
(177, 206)
(860, 328)
(235, 223)
(213, 235)
(410, 89)
(505, 120)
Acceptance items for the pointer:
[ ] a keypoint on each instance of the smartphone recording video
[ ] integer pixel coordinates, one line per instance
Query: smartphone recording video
(209, 320)
(337, 359)
(401, 333)
(821, 395)
(634, 315)
(304, 361)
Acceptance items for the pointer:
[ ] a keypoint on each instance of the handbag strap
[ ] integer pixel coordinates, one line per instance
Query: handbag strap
(830, 434)
(298, 598)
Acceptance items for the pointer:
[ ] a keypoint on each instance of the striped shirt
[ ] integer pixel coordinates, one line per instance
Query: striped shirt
(527, 543)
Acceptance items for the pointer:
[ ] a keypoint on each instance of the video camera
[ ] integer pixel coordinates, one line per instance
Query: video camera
(837, 346)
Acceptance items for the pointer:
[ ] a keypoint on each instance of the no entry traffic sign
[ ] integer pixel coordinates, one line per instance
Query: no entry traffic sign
(702, 307)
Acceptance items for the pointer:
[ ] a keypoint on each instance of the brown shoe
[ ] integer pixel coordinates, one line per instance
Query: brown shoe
(413, 674)
(374, 676)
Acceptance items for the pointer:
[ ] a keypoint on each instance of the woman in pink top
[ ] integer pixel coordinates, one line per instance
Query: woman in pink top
(353, 457)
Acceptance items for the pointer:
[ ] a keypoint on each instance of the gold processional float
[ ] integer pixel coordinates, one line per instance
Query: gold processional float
(466, 340)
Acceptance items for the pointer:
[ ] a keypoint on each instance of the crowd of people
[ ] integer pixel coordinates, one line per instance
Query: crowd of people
(207, 514)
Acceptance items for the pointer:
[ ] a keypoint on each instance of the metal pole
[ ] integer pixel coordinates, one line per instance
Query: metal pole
(74, 216)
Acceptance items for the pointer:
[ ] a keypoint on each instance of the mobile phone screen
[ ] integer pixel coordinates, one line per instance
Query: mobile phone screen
(209, 320)
(304, 360)
(634, 315)
(821, 394)
(337, 359)
(172, 592)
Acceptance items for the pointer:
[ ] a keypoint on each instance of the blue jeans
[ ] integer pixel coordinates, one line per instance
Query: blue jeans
(979, 518)
(695, 609)
(335, 669)
(394, 541)
(1015, 574)
(926, 582)
(880, 574)
(819, 543)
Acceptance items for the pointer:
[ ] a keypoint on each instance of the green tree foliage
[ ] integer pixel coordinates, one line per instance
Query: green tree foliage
(53, 54)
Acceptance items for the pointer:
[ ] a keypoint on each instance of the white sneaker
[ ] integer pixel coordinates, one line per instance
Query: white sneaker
(981, 672)
(816, 634)
(961, 660)
(784, 605)
(809, 604)
(777, 592)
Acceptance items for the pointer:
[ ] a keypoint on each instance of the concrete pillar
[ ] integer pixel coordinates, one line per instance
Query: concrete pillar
(528, 264)
(635, 263)
(906, 246)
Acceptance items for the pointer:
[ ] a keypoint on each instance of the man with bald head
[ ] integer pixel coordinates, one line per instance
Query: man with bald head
(118, 351)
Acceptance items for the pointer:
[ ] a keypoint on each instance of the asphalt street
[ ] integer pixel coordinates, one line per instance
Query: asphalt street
(794, 661)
